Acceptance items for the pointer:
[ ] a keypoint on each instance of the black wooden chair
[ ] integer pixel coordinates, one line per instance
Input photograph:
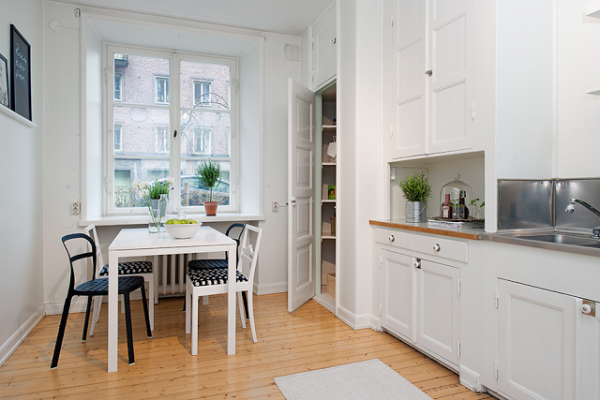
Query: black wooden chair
(97, 287)
(197, 265)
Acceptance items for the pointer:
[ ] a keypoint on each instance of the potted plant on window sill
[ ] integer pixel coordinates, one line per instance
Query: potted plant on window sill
(209, 173)
(416, 191)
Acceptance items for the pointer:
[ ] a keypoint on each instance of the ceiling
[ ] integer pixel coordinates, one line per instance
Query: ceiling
(279, 16)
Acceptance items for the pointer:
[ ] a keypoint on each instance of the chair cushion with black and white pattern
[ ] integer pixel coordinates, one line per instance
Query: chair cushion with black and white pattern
(207, 264)
(210, 277)
(130, 268)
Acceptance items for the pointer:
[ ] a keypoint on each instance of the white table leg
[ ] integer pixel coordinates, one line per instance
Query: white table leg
(113, 310)
(231, 255)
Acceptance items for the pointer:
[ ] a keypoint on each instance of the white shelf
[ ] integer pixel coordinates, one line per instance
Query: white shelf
(592, 9)
(327, 237)
(327, 201)
(595, 91)
(329, 128)
(329, 163)
(17, 117)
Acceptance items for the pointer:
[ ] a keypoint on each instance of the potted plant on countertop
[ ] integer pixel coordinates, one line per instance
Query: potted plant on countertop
(416, 191)
(209, 173)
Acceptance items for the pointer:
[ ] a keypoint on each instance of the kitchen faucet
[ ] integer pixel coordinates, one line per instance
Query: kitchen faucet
(570, 209)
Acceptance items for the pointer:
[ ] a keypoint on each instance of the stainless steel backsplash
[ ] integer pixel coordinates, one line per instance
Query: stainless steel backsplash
(540, 204)
(525, 204)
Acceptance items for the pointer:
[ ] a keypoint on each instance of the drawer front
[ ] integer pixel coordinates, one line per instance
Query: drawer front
(449, 249)
(394, 238)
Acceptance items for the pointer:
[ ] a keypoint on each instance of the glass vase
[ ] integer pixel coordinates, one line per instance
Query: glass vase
(157, 212)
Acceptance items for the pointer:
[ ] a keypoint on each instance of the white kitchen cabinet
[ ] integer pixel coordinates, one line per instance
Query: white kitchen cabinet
(431, 53)
(420, 302)
(323, 49)
(547, 348)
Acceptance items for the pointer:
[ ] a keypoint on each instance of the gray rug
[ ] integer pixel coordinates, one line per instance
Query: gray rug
(371, 380)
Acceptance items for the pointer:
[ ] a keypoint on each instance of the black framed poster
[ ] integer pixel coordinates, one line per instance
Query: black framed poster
(20, 65)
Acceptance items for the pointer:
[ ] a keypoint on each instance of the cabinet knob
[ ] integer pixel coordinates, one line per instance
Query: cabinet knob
(334, 40)
(588, 308)
(429, 72)
(436, 247)
(392, 238)
(417, 263)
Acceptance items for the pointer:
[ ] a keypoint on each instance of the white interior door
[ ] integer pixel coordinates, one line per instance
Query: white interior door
(538, 337)
(301, 150)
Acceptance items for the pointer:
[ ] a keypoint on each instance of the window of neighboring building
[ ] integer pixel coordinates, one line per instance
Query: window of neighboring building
(202, 95)
(118, 87)
(202, 140)
(147, 123)
(162, 90)
(118, 137)
(162, 138)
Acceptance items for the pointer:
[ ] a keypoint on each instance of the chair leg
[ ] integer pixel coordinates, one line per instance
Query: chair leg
(87, 318)
(251, 315)
(151, 298)
(241, 306)
(96, 314)
(129, 333)
(186, 307)
(148, 330)
(245, 303)
(61, 332)
(194, 310)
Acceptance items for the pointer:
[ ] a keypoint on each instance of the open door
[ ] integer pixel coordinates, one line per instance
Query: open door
(301, 150)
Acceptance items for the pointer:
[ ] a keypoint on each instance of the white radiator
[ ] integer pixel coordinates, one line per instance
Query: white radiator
(170, 274)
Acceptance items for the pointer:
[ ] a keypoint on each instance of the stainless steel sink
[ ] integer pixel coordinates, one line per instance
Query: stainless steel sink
(563, 239)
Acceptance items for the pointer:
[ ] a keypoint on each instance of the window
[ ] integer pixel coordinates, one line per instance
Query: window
(118, 87)
(162, 138)
(162, 90)
(202, 140)
(143, 142)
(118, 138)
(202, 95)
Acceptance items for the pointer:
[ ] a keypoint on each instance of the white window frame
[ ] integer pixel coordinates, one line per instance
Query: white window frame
(161, 138)
(166, 89)
(120, 99)
(206, 102)
(175, 109)
(120, 136)
(202, 131)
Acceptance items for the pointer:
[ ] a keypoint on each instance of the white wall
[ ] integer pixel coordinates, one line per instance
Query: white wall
(578, 71)
(21, 290)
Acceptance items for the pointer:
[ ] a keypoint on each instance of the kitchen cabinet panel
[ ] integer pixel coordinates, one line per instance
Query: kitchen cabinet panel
(397, 288)
(324, 52)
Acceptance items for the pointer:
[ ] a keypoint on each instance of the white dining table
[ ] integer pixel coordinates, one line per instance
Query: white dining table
(140, 242)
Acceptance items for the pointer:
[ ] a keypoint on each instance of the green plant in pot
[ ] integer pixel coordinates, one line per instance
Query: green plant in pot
(209, 173)
(416, 191)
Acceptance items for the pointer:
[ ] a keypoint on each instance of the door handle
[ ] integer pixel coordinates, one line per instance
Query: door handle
(429, 72)
(293, 202)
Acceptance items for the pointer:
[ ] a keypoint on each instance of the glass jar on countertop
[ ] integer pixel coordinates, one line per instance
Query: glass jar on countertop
(454, 199)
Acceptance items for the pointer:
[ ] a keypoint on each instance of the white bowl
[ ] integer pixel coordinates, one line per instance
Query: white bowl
(184, 231)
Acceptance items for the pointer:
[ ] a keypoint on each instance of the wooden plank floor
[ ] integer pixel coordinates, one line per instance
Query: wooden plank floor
(309, 339)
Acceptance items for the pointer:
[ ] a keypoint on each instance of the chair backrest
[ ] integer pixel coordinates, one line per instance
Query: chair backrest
(93, 233)
(237, 240)
(249, 255)
(82, 255)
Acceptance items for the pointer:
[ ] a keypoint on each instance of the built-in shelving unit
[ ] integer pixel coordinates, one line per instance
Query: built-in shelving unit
(592, 9)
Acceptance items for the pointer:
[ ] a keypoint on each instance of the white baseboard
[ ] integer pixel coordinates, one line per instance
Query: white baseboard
(19, 336)
(270, 288)
(326, 301)
(78, 304)
(352, 320)
(376, 324)
(470, 379)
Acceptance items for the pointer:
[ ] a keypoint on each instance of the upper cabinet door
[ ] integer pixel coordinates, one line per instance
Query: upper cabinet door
(450, 83)
(408, 107)
(324, 49)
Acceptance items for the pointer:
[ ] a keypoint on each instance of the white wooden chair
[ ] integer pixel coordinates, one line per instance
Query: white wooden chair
(205, 282)
(127, 268)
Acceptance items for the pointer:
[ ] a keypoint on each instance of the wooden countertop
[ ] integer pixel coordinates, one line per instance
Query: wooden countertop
(400, 223)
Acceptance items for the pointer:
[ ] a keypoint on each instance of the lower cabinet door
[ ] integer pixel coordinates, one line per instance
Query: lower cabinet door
(438, 310)
(539, 333)
(397, 293)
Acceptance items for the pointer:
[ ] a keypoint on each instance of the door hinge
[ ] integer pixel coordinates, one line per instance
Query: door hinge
(496, 369)
(459, 348)
(391, 21)
(459, 286)
(380, 309)
(391, 131)
(497, 298)
(105, 74)
(472, 111)
(380, 262)
(312, 44)
(312, 77)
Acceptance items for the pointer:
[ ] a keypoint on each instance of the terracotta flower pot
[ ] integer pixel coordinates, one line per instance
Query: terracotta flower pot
(211, 208)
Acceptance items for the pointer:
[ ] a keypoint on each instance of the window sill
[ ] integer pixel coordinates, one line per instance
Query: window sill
(17, 117)
(143, 219)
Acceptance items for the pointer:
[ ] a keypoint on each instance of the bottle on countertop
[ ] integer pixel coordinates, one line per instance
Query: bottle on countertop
(447, 208)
